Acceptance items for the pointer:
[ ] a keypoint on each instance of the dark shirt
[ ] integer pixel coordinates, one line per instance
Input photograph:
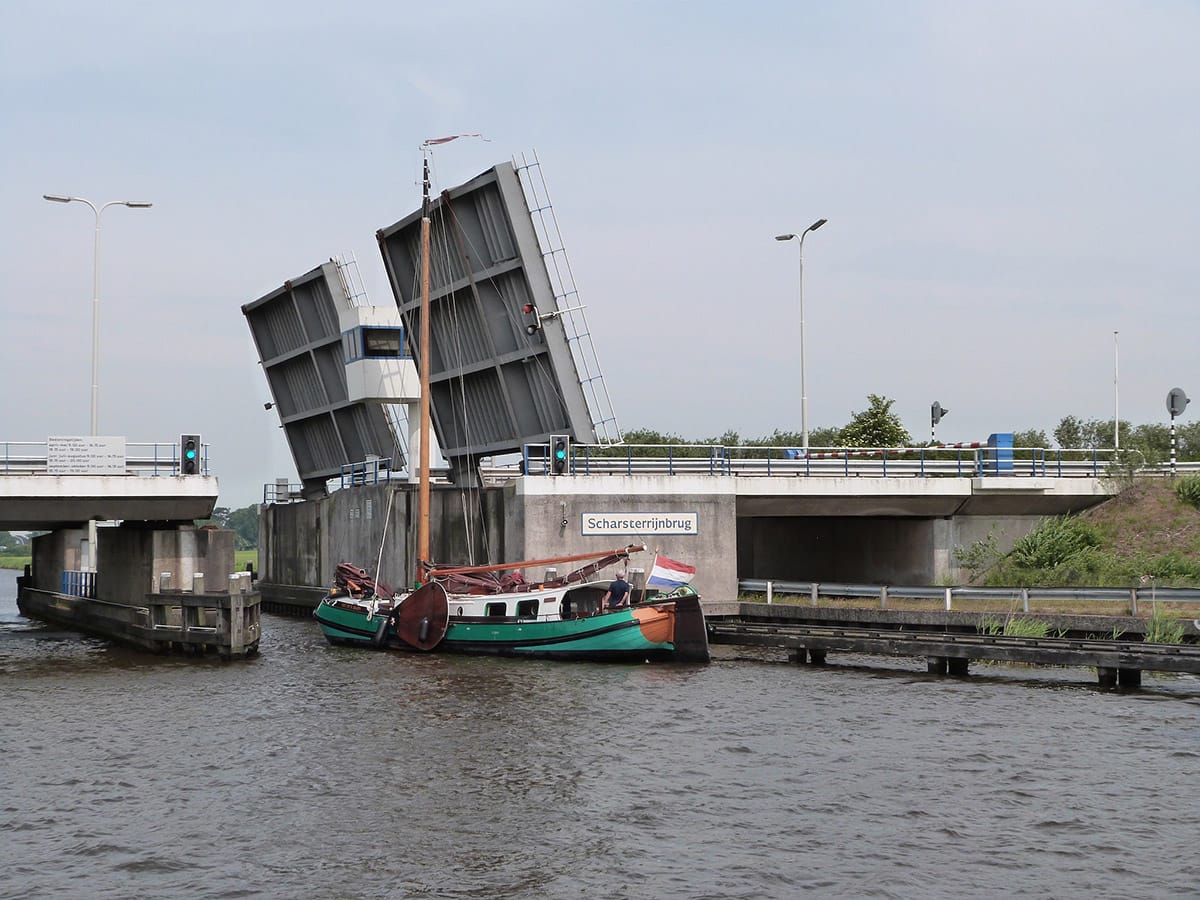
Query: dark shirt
(617, 591)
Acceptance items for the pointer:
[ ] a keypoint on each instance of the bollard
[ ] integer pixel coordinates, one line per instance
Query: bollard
(948, 602)
(770, 592)
(883, 596)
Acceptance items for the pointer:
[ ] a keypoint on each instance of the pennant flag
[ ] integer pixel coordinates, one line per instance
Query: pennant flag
(667, 573)
(430, 142)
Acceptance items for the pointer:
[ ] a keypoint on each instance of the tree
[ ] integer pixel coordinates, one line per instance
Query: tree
(244, 525)
(876, 426)
(242, 522)
(1095, 434)
(1033, 437)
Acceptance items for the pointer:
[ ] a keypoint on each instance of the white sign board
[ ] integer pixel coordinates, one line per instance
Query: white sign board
(641, 523)
(85, 455)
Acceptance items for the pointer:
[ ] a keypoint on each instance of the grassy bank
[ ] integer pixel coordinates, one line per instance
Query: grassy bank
(1146, 535)
(240, 558)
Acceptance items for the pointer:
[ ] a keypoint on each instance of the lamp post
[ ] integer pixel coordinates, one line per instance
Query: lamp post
(132, 204)
(1116, 393)
(803, 392)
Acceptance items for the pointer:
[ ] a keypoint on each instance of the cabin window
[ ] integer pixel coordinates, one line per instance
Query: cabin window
(373, 342)
(527, 609)
(496, 610)
(382, 342)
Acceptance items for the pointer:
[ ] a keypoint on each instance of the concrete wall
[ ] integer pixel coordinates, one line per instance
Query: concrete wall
(54, 553)
(712, 549)
(963, 531)
(133, 557)
(848, 549)
(301, 543)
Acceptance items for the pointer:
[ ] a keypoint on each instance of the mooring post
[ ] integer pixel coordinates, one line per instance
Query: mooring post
(936, 665)
(1107, 677)
(237, 622)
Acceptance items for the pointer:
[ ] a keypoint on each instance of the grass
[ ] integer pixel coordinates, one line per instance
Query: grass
(240, 558)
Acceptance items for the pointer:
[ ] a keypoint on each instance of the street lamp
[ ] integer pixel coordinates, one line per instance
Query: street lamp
(132, 204)
(803, 393)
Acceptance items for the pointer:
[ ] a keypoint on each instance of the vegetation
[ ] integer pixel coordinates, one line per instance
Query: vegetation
(1034, 628)
(1187, 489)
(242, 522)
(1163, 629)
(1146, 535)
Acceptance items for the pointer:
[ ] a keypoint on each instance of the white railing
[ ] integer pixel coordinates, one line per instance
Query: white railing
(881, 462)
(142, 459)
(814, 592)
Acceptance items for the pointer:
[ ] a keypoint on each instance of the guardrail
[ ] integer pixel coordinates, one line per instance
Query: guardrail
(880, 462)
(815, 591)
(142, 459)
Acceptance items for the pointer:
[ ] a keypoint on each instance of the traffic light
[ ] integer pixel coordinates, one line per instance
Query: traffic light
(535, 323)
(936, 412)
(560, 452)
(189, 454)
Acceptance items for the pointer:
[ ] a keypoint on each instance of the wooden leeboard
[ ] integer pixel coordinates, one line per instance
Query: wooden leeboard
(422, 617)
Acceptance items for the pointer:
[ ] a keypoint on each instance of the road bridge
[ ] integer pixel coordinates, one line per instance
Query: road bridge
(887, 529)
(44, 487)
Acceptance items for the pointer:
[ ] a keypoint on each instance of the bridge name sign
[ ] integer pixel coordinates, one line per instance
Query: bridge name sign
(640, 523)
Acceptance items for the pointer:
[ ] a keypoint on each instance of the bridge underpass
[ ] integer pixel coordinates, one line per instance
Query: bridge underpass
(890, 531)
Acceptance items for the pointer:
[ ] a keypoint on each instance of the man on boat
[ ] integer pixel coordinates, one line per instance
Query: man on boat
(617, 592)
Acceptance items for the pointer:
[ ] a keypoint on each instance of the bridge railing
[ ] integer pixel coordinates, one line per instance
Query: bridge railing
(141, 458)
(815, 592)
(881, 462)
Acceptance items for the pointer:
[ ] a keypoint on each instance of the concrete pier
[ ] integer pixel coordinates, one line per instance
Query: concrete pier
(157, 588)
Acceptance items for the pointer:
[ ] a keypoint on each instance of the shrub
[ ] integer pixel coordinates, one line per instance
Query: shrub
(1055, 542)
(1187, 489)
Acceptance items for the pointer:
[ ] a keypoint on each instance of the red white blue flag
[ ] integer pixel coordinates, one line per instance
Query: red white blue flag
(667, 573)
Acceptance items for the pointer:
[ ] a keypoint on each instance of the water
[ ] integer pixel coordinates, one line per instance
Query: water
(315, 771)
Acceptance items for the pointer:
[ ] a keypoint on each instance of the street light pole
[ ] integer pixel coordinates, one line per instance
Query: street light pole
(803, 391)
(1116, 393)
(132, 204)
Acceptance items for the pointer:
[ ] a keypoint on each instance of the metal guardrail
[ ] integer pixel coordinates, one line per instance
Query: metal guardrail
(721, 460)
(815, 591)
(880, 462)
(142, 459)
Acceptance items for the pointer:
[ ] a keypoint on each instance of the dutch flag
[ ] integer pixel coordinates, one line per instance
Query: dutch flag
(669, 574)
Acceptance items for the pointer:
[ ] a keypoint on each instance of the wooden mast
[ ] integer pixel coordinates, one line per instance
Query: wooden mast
(423, 495)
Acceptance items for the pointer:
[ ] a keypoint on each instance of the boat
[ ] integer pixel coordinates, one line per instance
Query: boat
(493, 610)
(496, 609)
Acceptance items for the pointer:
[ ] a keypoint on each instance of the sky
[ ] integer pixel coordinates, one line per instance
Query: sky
(1007, 184)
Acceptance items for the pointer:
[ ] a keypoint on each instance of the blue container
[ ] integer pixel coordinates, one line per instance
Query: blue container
(998, 457)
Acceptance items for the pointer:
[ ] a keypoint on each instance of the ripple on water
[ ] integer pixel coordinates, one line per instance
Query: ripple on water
(324, 772)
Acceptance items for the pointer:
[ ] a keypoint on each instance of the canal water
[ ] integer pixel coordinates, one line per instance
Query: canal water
(314, 771)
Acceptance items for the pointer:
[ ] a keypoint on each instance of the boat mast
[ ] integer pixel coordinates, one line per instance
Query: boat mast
(423, 496)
